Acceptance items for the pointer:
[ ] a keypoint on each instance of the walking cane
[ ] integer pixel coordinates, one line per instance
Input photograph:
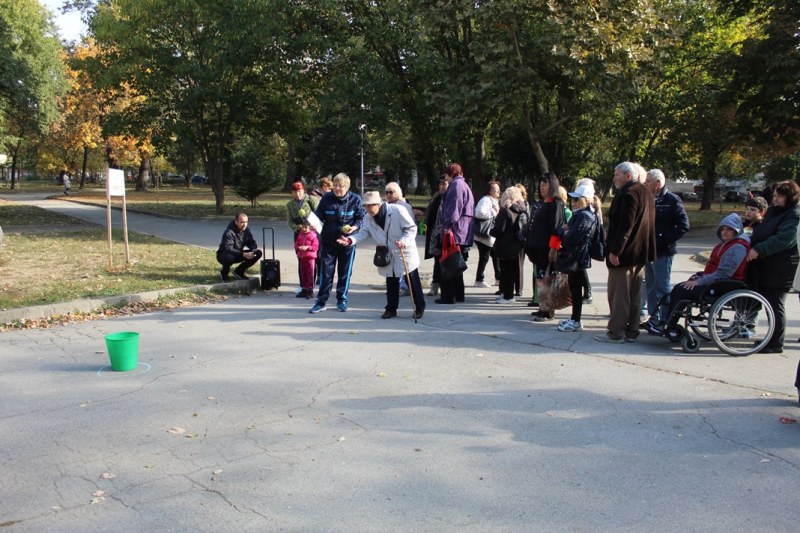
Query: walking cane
(408, 280)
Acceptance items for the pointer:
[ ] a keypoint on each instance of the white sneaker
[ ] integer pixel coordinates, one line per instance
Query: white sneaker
(570, 326)
(298, 289)
(502, 300)
(481, 284)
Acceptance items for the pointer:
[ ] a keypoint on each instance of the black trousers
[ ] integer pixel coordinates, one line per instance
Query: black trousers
(393, 292)
(227, 260)
(777, 299)
(485, 253)
(575, 281)
(453, 288)
(509, 274)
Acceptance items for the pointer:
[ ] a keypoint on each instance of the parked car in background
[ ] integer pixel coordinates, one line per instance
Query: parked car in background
(736, 196)
(690, 195)
(199, 179)
(176, 179)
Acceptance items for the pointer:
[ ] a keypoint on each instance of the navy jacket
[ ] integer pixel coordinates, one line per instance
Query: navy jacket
(335, 212)
(580, 231)
(672, 222)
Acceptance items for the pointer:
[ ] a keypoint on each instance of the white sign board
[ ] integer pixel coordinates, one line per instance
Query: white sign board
(116, 182)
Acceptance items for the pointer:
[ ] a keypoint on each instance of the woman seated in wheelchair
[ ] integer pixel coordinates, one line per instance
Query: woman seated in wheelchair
(728, 261)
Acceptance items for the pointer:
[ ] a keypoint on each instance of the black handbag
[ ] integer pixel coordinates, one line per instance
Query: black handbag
(452, 261)
(482, 226)
(382, 257)
(566, 261)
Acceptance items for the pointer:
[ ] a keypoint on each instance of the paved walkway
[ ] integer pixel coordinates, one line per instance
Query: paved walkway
(252, 415)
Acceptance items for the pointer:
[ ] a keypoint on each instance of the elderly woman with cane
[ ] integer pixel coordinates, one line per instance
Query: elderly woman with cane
(394, 231)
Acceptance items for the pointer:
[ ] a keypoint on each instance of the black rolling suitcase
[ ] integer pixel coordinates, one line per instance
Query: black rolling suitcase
(270, 268)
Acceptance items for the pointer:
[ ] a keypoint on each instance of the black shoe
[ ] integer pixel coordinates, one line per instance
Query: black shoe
(418, 313)
(533, 304)
(223, 275)
(587, 299)
(498, 292)
(240, 274)
(771, 349)
(301, 294)
(460, 300)
(440, 301)
(389, 314)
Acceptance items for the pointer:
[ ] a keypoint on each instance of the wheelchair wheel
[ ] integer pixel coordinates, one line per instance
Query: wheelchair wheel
(690, 343)
(741, 322)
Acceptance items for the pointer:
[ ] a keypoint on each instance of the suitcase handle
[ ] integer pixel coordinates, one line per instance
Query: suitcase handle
(264, 238)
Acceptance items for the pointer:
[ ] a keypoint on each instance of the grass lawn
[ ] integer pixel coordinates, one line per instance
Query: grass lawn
(47, 258)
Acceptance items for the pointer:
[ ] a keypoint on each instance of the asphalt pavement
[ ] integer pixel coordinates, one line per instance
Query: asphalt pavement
(253, 415)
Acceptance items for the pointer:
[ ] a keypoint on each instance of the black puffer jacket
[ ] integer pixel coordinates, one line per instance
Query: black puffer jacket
(234, 242)
(545, 223)
(579, 233)
(506, 244)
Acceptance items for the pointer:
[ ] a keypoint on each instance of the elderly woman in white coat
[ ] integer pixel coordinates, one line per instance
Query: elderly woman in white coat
(392, 226)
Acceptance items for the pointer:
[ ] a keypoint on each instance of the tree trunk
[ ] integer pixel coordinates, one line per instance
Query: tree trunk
(479, 178)
(291, 166)
(111, 158)
(709, 184)
(14, 170)
(216, 172)
(541, 159)
(143, 179)
(83, 166)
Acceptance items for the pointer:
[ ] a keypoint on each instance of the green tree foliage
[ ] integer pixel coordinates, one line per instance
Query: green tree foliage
(767, 70)
(31, 73)
(205, 68)
(257, 167)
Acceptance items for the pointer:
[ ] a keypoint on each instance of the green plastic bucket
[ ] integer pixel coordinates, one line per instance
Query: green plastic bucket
(123, 350)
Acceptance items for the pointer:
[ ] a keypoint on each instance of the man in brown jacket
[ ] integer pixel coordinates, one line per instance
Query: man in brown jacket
(630, 245)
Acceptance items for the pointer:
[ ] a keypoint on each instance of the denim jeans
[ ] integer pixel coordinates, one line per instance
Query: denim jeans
(656, 282)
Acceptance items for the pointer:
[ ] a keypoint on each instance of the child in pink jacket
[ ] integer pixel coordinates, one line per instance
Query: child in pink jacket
(306, 246)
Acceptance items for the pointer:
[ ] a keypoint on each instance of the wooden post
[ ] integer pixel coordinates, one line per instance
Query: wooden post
(115, 186)
(108, 223)
(125, 231)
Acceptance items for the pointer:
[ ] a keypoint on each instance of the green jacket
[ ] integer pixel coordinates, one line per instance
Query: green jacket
(295, 211)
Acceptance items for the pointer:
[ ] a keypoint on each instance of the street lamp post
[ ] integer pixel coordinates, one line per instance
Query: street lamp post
(361, 128)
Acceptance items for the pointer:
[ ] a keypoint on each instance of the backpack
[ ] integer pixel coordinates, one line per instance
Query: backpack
(521, 227)
(597, 246)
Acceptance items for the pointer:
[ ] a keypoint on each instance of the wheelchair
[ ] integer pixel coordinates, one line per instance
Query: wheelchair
(738, 320)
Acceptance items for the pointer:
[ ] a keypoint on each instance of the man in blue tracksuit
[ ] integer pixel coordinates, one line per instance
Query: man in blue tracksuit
(341, 213)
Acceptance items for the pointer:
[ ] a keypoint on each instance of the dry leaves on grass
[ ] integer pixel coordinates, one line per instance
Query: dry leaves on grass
(135, 308)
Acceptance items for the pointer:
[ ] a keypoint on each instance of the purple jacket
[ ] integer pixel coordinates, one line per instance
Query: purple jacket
(458, 207)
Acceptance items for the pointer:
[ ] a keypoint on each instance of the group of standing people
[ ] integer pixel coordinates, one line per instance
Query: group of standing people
(645, 221)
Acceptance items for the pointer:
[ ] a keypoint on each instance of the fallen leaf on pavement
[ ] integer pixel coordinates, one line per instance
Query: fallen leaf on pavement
(107, 475)
(787, 420)
(176, 431)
